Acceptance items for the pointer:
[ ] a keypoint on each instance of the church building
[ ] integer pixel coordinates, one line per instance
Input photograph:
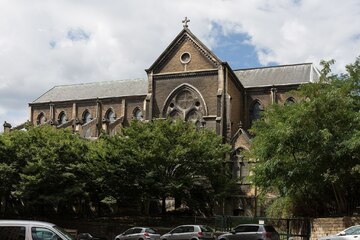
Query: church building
(189, 82)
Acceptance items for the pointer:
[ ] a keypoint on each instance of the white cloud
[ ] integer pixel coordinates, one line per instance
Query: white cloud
(46, 43)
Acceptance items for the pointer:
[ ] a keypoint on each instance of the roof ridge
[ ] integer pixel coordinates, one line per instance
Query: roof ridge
(106, 81)
(277, 66)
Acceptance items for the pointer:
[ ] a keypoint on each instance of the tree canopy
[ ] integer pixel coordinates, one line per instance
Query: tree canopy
(46, 171)
(308, 152)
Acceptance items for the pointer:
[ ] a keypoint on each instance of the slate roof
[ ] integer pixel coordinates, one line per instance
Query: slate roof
(121, 88)
(278, 75)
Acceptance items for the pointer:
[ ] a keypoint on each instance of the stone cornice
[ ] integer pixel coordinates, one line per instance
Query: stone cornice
(212, 72)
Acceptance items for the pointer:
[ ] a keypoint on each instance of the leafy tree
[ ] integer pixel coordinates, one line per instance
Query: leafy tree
(113, 172)
(176, 159)
(308, 152)
(50, 178)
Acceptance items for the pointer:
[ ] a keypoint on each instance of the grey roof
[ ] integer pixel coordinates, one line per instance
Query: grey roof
(121, 88)
(278, 75)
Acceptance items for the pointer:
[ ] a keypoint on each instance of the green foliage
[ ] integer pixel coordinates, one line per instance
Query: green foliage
(53, 166)
(46, 171)
(280, 208)
(176, 159)
(309, 151)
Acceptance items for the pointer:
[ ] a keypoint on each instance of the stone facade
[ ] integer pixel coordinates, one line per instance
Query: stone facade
(330, 226)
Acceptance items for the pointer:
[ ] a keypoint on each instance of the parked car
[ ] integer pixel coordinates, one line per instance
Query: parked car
(88, 236)
(139, 233)
(31, 230)
(189, 232)
(351, 233)
(251, 232)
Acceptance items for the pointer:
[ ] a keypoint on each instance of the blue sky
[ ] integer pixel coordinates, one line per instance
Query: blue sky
(235, 50)
(47, 43)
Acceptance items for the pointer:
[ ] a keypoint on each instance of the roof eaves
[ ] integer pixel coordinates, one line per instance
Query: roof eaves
(278, 66)
(274, 85)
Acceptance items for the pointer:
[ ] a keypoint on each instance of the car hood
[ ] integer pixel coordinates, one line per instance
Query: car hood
(331, 237)
(225, 235)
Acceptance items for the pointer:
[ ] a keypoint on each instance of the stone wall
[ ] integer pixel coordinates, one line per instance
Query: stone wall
(329, 226)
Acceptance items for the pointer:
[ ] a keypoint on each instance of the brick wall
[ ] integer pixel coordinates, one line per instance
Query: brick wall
(329, 226)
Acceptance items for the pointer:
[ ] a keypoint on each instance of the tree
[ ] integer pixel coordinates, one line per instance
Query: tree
(178, 160)
(308, 152)
(53, 163)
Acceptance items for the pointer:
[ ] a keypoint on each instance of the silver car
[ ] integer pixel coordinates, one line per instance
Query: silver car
(351, 233)
(139, 233)
(31, 230)
(190, 232)
(251, 232)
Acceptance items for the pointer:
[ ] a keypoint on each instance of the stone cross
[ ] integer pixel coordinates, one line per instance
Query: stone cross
(185, 22)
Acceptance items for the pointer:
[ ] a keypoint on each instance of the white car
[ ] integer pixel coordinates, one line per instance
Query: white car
(351, 233)
(190, 232)
(31, 230)
(139, 233)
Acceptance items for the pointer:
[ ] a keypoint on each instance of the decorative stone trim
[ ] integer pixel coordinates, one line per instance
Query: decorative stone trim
(186, 74)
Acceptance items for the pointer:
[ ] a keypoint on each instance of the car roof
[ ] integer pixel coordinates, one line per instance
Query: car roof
(188, 225)
(25, 222)
(253, 224)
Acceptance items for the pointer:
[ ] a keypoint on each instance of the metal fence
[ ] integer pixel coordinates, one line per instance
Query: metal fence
(289, 229)
(296, 228)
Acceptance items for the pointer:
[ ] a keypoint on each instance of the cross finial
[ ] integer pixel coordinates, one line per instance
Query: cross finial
(185, 22)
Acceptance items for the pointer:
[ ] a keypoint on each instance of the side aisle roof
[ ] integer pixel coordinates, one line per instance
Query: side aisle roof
(108, 89)
(278, 75)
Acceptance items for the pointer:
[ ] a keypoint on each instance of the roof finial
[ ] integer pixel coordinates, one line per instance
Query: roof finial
(185, 22)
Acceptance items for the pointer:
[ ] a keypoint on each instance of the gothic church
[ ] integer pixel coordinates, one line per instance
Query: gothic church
(187, 81)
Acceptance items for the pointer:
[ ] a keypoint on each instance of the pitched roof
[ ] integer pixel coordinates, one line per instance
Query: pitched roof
(278, 75)
(185, 33)
(121, 88)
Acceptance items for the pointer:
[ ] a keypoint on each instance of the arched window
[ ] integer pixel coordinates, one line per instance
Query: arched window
(86, 117)
(41, 119)
(62, 119)
(186, 100)
(255, 111)
(137, 114)
(289, 101)
(110, 116)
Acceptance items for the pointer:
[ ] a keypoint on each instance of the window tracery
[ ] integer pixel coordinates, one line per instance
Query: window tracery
(187, 104)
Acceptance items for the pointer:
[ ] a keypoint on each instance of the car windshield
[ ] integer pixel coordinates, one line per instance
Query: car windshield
(64, 233)
(352, 230)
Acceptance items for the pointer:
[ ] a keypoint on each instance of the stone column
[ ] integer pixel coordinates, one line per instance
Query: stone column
(74, 111)
(52, 113)
(220, 102)
(273, 95)
(98, 117)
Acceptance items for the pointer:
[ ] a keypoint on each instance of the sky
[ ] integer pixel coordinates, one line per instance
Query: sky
(46, 43)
